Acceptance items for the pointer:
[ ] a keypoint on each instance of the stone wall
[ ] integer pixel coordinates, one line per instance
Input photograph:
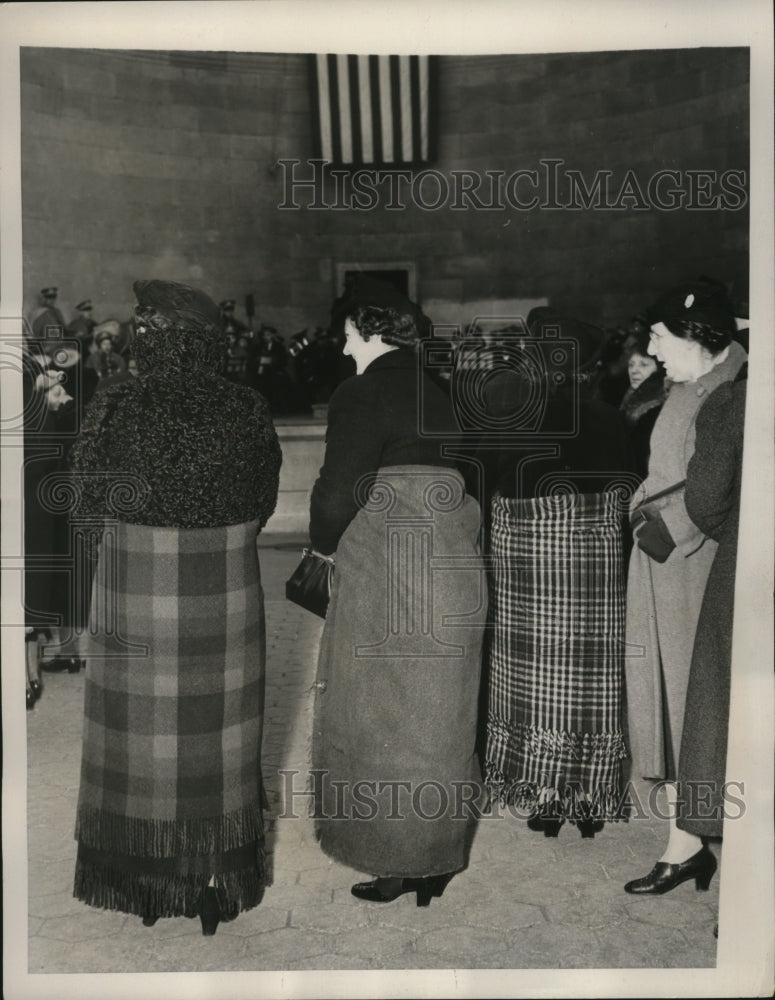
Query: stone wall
(143, 164)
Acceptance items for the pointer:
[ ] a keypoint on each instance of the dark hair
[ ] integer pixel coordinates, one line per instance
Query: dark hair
(714, 338)
(638, 344)
(397, 330)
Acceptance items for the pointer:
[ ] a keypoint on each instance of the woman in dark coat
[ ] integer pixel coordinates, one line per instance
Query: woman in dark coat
(183, 468)
(46, 416)
(713, 503)
(398, 674)
(555, 744)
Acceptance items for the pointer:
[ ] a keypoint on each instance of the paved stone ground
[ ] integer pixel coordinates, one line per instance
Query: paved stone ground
(525, 901)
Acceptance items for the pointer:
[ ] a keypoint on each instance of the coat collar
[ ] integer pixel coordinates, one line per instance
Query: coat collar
(724, 372)
(401, 358)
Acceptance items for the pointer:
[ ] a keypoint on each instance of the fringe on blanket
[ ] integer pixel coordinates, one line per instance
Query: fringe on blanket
(166, 895)
(569, 801)
(158, 838)
(557, 744)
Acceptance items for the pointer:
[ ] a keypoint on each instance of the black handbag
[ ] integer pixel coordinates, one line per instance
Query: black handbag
(310, 585)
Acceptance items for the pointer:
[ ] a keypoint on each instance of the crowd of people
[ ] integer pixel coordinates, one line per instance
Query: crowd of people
(534, 550)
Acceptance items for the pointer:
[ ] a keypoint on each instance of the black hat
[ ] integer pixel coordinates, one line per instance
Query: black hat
(368, 291)
(49, 293)
(179, 303)
(84, 306)
(228, 304)
(701, 301)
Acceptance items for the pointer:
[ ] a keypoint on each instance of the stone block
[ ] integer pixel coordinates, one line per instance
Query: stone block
(279, 949)
(336, 918)
(148, 87)
(92, 80)
(111, 955)
(659, 947)
(194, 952)
(259, 920)
(363, 942)
(460, 945)
(329, 962)
(90, 925)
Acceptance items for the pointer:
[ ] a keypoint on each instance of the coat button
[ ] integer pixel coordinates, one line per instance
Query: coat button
(700, 390)
(320, 686)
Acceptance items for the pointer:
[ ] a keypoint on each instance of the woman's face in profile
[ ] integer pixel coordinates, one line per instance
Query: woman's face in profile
(682, 357)
(639, 367)
(355, 346)
(57, 396)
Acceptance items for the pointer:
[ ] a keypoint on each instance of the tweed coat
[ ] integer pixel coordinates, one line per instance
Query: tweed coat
(713, 502)
(663, 599)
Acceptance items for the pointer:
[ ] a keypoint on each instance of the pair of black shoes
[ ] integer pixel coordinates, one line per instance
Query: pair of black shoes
(385, 890)
(72, 664)
(210, 909)
(550, 826)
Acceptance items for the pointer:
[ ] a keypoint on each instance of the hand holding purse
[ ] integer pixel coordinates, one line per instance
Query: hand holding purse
(652, 535)
(654, 538)
(310, 585)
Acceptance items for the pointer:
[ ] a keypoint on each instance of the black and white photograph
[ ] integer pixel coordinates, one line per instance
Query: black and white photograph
(387, 499)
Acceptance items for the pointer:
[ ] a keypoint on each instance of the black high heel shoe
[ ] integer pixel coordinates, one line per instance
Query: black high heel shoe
(382, 890)
(72, 664)
(149, 921)
(663, 876)
(549, 825)
(209, 911)
(31, 699)
(589, 827)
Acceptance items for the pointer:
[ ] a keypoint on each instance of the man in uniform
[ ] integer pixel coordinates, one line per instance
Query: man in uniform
(230, 322)
(47, 320)
(83, 325)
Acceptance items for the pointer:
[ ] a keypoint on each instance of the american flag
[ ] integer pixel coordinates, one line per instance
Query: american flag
(373, 109)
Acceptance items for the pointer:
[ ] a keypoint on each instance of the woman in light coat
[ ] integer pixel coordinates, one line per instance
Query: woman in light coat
(691, 334)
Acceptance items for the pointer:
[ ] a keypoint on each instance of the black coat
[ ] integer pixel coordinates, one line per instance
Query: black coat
(589, 459)
(384, 417)
(712, 497)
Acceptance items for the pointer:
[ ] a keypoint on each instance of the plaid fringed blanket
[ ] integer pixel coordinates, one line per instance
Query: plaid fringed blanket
(170, 790)
(554, 737)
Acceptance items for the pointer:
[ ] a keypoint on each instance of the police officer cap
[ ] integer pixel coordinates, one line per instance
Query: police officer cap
(228, 304)
(49, 293)
(84, 306)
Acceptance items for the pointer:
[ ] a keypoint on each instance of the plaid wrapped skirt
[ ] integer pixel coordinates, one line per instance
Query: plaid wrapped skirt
(554, 734)
(170, 792)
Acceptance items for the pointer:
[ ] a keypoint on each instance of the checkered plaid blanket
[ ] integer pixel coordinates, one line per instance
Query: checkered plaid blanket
(170, 791)
(554, 737)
